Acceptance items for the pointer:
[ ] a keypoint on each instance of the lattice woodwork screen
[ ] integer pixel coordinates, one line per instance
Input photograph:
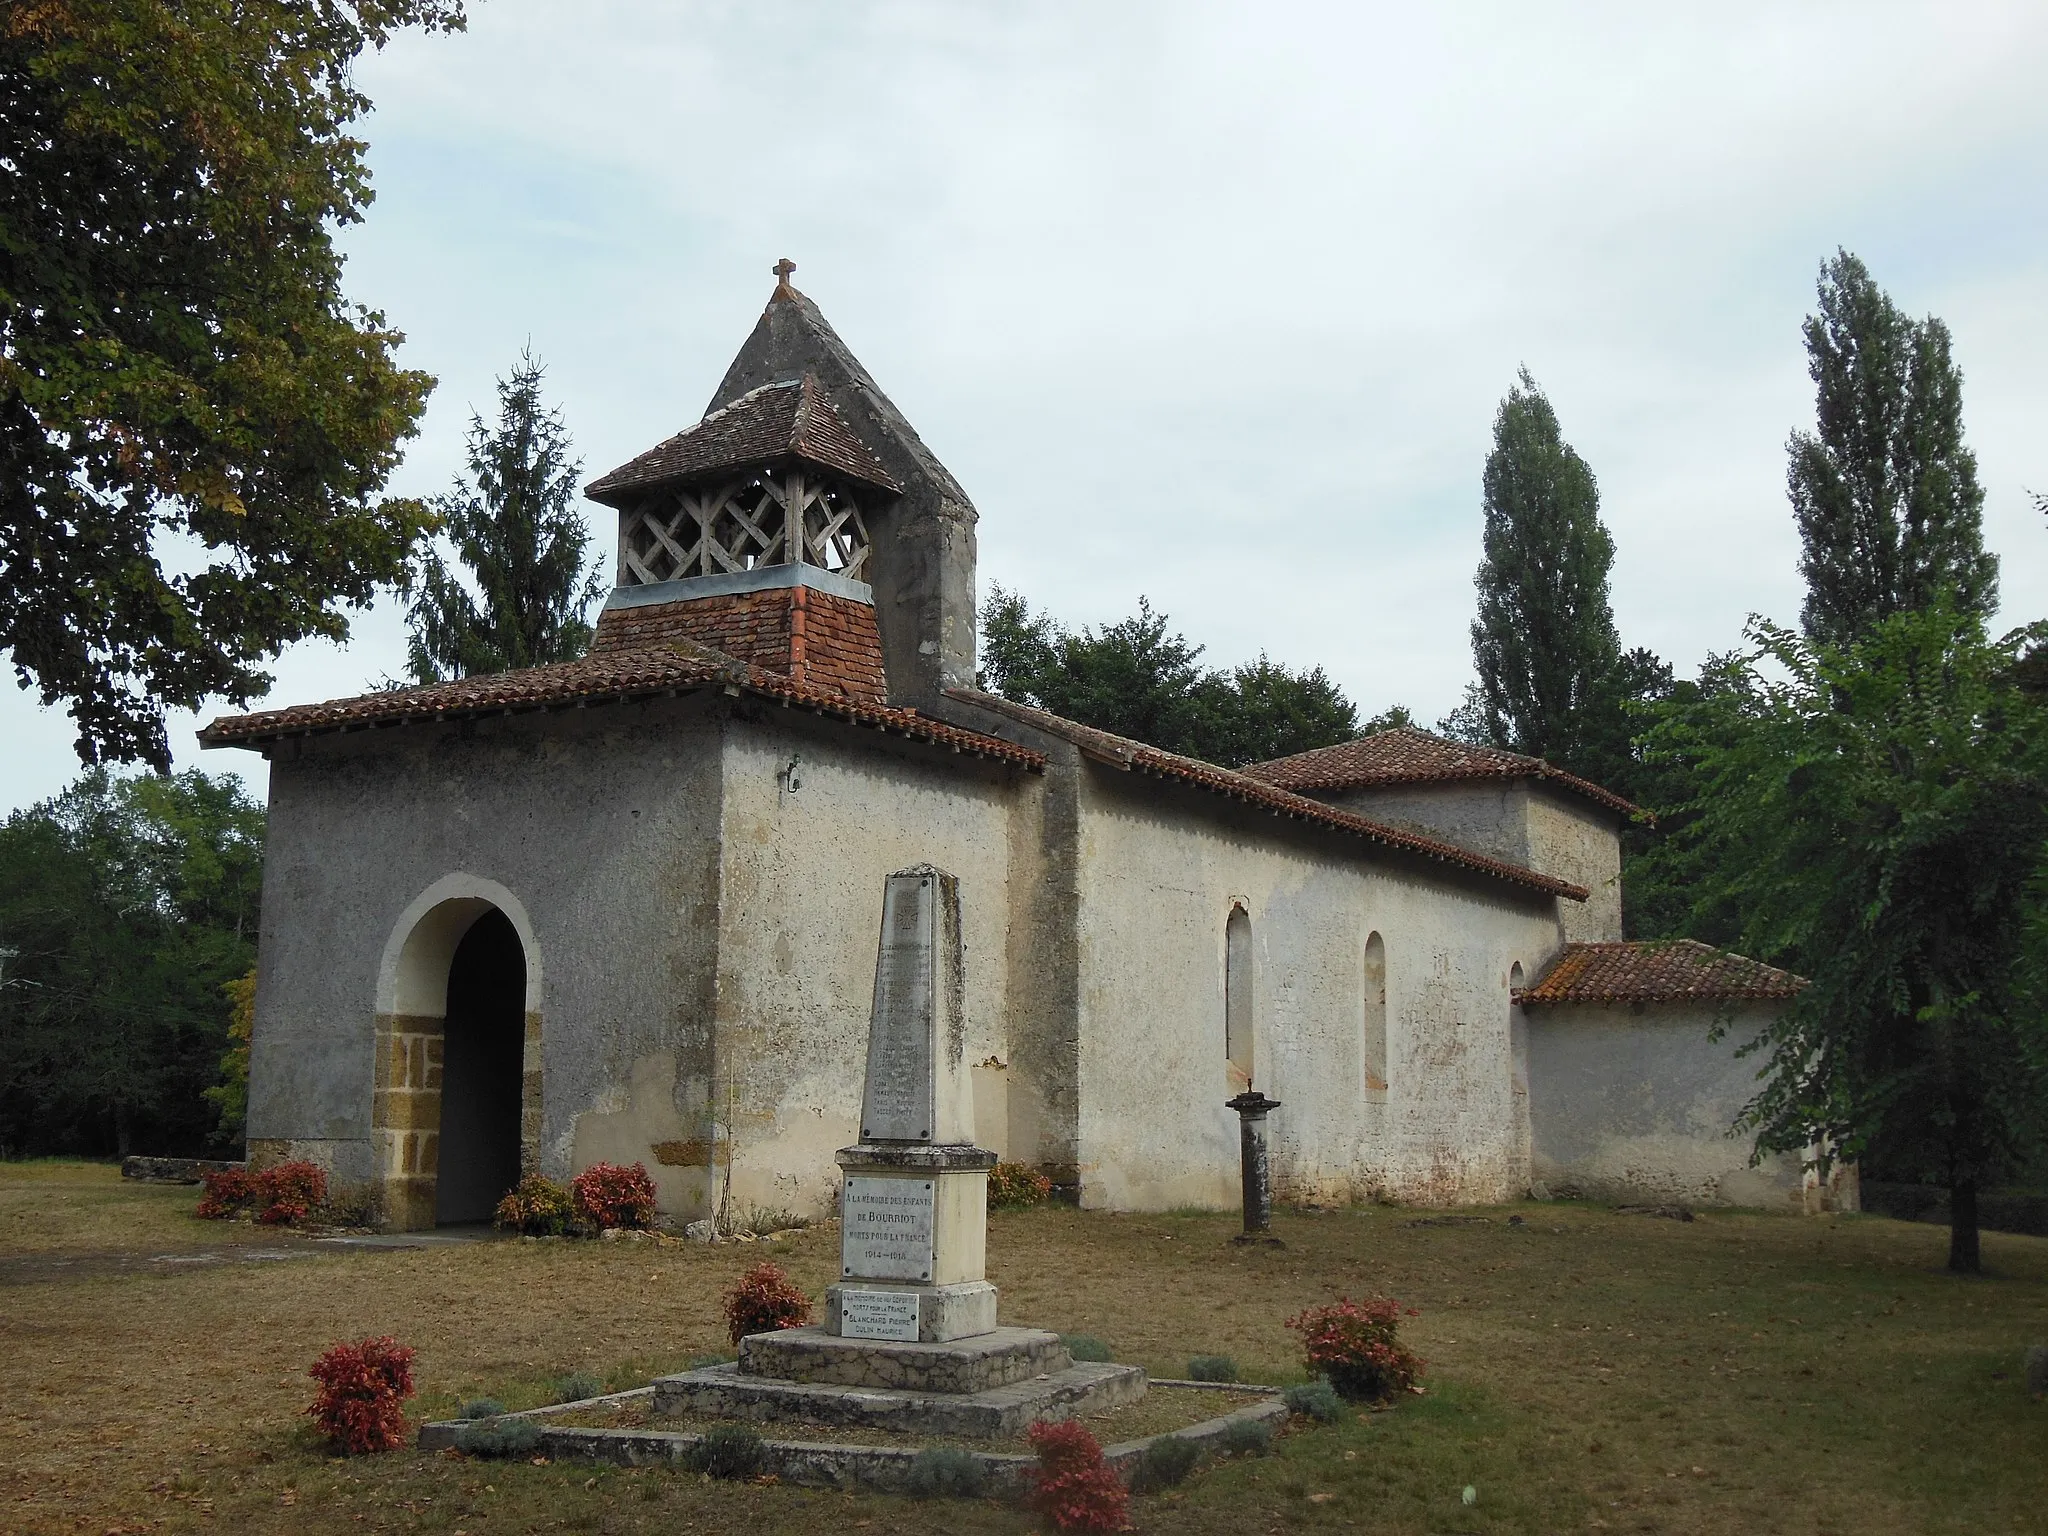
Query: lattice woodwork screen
(703, 530)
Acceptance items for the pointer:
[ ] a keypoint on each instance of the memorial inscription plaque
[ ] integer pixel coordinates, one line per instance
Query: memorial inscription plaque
(886, 1229)
(878, 1315)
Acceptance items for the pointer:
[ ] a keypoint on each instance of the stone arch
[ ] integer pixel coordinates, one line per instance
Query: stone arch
(412, 1011)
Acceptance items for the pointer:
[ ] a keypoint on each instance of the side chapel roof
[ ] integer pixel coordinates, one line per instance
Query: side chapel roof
(792, 418)
(1405, 755)
(1136, 757)
(1660, 971)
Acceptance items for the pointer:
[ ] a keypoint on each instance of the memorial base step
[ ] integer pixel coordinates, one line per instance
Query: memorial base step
(992, 1359)
(929, 1314)
(724, 1391)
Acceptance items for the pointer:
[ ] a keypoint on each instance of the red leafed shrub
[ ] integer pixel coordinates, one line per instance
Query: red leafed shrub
(607, 1195)
(1013, 1186)
(279, 1196)
(229, 1193)
(763, 1301)
(361, 1388)
(1072, 1485)
(1353, 1343)
(289, 1192)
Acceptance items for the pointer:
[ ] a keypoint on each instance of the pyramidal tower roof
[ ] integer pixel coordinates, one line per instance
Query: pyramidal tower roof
(796, 394)
(788, 419)
(793, 338)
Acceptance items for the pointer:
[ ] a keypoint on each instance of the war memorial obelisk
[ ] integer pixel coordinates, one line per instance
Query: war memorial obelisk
(909, 1339)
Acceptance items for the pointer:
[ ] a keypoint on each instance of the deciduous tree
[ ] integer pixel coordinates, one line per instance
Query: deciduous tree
(1877, 814)
(195, 426)
(126, 908)
(1139, 679)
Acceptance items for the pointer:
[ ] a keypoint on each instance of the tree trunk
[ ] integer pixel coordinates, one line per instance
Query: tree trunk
(1962, 1227)
(121, 1130)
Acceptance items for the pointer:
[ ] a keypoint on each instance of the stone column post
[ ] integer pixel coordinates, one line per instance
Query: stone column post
(1252, 1108)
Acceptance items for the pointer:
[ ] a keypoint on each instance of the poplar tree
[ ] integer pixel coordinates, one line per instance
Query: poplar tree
(1544, 642)
(1886, 496)
(515, 526)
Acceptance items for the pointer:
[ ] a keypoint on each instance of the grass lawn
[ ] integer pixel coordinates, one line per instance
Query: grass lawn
(1588, 1371)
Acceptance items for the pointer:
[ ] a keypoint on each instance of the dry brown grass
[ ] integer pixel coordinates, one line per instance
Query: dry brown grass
(1588, 1371)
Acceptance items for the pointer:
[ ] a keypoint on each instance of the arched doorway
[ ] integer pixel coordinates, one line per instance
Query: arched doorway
(482, 1065)
(456, 1113)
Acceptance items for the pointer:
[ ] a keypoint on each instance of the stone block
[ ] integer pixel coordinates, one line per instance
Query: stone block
(991, 1359)
(943, 1312)
(724, 1391)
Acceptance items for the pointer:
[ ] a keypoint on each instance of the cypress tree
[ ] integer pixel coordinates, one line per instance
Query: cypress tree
(1544, 641)
(1886, 496)
(516, 527)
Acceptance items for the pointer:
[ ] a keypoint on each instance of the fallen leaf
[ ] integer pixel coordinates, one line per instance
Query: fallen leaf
(1321, 1498)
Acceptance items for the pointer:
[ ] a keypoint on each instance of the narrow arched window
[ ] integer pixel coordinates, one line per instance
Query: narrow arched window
(1237, 998)
(1373, 1034)
(1518, 1075)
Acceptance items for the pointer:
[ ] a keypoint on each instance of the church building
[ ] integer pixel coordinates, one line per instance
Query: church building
(625, 908)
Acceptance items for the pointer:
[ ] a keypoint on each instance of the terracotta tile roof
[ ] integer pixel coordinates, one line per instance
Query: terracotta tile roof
(813, 637)
(1664, 971)
(1136, 757)
(1408, 756)
(793, 419)
(615, 678)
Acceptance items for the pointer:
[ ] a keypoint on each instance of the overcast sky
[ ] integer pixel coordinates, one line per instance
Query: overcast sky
(1215, 304)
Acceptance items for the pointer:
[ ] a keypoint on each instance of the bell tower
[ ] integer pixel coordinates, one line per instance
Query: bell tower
(802, 479)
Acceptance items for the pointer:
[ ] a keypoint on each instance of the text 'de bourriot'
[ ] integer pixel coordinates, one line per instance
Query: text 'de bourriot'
(886, 1229)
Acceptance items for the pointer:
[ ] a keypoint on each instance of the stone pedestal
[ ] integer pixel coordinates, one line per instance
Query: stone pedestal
(909, 1339)
(913, 1244)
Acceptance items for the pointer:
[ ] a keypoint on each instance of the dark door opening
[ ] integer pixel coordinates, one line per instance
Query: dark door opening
(482, 1066)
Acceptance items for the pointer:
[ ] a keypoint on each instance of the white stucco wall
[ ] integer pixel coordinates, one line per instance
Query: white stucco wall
(1524, 821)
(602, 825)
(801, 917)
(1160, 867)
(1637, 1102)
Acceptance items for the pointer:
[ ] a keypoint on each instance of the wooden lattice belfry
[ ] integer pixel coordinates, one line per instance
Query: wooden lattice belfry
(785, 514)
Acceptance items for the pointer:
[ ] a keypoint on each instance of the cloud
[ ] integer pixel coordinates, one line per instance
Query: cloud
(1215, 303)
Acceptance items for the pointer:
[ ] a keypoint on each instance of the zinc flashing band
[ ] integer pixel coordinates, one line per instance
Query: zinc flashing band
(762, 578)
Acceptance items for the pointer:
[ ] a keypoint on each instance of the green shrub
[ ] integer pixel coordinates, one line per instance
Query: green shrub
(1316, 1400)
(761, 1220)
(1212, 1368)
(1166, 1462)
(1247, 1437)
(1013, 1186)
(1085, 1346)
(730, 1451)
(352, 1205)
(577, 1386)
(482, 1408)
(946, 1472)
(539, 1207)
(498, 1439)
